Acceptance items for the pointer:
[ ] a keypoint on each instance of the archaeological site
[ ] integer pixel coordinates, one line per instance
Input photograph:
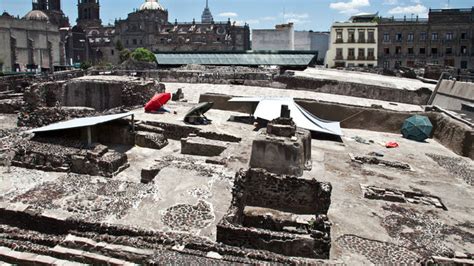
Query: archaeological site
(233, 165)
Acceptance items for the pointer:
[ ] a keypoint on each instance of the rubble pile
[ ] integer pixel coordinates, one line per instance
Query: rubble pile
(185, 217)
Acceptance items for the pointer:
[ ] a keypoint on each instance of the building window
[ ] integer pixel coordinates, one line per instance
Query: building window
(463, 64)
(410, 51)
(434, 36)
(386, 64)
(398, 50)
(386, 50)
(398, 64)
(134, 41)
(410, 37)
(371, 36)
(339, 36)
(386, 37)
(463, 35)
(434, 62)
(398, 37)
(371, 54)
(126, 42)
(449, 51)
(423, 36)
(351, 36)
(422, 50)
(449, 36)
(463, 50)
(434, 51)
(112, 52)
(410, 63)
(361, 36)
(339, 54)
(361, 54)
(351, 54)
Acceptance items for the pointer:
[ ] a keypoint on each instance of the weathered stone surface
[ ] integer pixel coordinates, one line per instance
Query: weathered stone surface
(201, 146)
(150, 140)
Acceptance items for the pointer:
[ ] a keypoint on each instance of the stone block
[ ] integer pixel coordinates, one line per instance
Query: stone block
(148, 174)
(278, 155)
(202, 147)
(150, 140)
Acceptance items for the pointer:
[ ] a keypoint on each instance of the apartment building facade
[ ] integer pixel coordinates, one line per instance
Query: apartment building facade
(353, 43)
(445, 38)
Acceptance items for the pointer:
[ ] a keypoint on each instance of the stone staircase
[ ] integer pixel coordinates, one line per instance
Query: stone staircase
(73, 250)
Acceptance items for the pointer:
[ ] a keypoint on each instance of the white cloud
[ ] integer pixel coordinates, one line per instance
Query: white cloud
(269, 18)
(228, 14)
(416, 1)
(353, 6)
(416, 9)
(248, 21)
(390, 2)
(297, 18)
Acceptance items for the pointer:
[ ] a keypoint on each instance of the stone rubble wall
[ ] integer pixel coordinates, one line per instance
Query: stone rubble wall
(347, 88)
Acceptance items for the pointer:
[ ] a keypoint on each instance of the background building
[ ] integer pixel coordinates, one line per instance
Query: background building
(284, 37)
(29, 44)
(353, 43)
(445, 38)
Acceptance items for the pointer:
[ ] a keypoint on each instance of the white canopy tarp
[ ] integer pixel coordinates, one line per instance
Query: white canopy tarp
(270, 108)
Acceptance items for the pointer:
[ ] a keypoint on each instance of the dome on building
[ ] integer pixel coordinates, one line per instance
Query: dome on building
(151, 5)
(36, 15)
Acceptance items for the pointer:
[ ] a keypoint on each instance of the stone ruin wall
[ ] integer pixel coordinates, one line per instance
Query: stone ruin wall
(285, 193)
(257, 187)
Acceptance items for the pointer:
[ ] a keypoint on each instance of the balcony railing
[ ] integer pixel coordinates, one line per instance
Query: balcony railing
(339, 41)
(350, 57)
(351, 41)
(371, 58)
(361, 57)
(371, 41)
(339, 57)
(361, 41)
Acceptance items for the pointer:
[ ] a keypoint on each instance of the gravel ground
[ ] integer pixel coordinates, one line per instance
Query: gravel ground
(458, 166)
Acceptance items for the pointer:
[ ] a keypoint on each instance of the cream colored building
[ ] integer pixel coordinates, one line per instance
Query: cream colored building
(30, 43)
(353, 43)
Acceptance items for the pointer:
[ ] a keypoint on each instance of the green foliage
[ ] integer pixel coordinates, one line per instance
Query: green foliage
(377, 20)
(144, 55)
(124, 55)
(119, 46)
(86, 65)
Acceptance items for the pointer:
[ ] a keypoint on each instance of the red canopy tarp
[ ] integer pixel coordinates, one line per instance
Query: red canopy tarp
(157, 102)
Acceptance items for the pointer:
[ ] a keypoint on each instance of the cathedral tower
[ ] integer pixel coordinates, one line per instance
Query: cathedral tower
(89, 13)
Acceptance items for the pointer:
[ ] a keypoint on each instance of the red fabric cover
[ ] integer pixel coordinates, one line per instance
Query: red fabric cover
(157, 102)
(391, 145)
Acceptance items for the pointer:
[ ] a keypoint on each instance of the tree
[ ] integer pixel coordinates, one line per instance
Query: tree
(124, 55)
(86, 65)
(143, 54)
(119, 46)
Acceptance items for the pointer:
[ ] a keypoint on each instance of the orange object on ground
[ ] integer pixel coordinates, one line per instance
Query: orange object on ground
(157, 102)
(391, 144)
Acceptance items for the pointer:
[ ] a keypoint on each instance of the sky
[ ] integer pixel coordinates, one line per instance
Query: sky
(316, 15)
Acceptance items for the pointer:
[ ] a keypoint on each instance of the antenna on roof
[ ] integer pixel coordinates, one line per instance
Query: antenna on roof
(449, 4)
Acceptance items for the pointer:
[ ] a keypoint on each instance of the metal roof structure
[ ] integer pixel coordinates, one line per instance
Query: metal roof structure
(269, 108)
(80, 122)
(287, 58)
